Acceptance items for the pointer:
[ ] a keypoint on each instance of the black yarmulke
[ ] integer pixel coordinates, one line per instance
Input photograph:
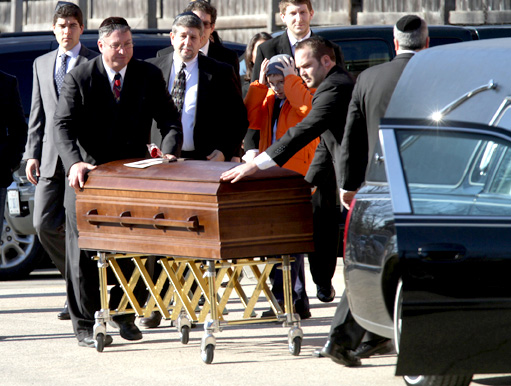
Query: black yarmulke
(409, 23)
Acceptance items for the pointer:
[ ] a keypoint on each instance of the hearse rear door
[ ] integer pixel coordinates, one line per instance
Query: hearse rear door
(451, 194)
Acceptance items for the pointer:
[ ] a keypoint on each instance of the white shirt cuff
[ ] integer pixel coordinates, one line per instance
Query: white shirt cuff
(263, 161)
(252, 153)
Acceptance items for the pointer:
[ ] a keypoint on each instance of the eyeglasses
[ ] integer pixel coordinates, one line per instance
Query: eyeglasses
(118, 46)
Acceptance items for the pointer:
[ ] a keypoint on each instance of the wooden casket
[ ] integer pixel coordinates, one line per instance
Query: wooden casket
(182, 209)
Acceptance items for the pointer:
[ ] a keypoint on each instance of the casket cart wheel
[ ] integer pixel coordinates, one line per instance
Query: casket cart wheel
(295, 346)
(185, 334)
(207, 354)
(99, 343)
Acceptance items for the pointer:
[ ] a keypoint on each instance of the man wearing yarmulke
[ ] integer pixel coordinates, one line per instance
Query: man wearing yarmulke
(369, 101)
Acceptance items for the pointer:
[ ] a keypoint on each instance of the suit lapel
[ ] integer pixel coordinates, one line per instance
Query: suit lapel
(284, 44)
(166, 67)
(49, 66)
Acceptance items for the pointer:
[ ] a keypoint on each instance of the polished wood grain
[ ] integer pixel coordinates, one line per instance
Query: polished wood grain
(182, 209)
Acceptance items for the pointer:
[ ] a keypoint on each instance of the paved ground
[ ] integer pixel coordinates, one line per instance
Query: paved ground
(38, 349)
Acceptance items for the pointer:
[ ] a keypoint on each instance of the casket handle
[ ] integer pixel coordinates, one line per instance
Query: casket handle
(126, 220)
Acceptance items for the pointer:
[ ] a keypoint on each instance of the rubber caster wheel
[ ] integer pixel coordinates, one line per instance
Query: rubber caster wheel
(207, 354)
(185, 334)
(295, 346)
(99, 343)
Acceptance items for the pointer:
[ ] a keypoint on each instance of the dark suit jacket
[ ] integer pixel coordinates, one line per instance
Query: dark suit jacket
(44, 103)
(13, 128)
(369, 102)
(218, 52)
(326, 118)
(220, 116)
(281, 45)
(90, 126)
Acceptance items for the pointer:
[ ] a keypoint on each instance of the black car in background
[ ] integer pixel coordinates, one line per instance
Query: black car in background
(20, 250)
(428, 237)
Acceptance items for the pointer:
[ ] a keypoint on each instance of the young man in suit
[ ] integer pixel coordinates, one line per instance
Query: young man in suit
(105, 112)
(315, 59)
(213, 115)
(13, 134)
(208, 14)
(369, 102)
(44, 167)
(297, 15)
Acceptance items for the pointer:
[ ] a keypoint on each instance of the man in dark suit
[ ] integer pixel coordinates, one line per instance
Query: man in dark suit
(210, 92)
(213, 115)
(44, 167)
(13, 134)
(297, 15)
(315, 59)
(105, 112)
(369, 101)
(207, 13)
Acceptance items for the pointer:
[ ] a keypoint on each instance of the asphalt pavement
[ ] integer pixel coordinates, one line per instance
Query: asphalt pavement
(38, 349)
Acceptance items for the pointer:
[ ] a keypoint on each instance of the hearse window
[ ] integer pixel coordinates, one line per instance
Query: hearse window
(446, 172)
(501, 183)
(360, 54)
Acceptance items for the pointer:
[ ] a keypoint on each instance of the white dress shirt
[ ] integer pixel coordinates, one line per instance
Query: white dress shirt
(71, 60)
(190, 102)
(111, 73)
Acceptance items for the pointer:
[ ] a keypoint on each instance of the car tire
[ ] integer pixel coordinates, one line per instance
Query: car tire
(422, 380)
(19, 254)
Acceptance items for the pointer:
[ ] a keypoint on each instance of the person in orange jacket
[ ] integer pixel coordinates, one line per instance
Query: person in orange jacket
(277, 101)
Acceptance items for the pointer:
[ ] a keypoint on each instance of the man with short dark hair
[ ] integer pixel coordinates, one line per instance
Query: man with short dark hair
(44, 167)
(105, 113)
(297, 16)
(371, 96)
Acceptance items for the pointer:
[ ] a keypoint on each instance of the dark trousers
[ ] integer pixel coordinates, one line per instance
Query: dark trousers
(300, 298)
(82, 279)
(50, 217)
(326, 233)
(345, 331)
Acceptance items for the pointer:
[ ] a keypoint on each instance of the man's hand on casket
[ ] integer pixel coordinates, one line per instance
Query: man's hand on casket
(170, 157)
(239, 172)
(77, 174)
(217, 156)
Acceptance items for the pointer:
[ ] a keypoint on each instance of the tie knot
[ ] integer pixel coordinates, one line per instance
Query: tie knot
(63, 57)
(117, 76)
(183, 66)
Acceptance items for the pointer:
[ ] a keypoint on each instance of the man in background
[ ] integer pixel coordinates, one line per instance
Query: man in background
(44, 166)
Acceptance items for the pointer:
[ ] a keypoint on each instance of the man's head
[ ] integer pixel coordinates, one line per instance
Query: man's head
(297, 16)
(186, 35)
(115, 42)
(314, 58)
(207, 14)
(67, 25)
(411, 33)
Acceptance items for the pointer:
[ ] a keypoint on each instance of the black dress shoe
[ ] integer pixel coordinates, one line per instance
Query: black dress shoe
(128, 330)
(340, 355)
(326, 294)
(89, 341)
(374, 347)
(152, 321)
(64, 314)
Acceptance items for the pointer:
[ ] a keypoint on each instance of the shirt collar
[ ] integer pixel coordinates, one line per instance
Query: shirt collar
(293, 40)
(111, 73)
(399, 52)
(73, 52)
(189, 65)
(205, 48)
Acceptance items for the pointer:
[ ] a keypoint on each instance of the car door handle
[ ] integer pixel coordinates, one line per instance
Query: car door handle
(442, 251)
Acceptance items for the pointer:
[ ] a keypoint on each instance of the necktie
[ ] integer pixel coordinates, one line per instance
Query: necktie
(178, 89)
(61, 73)
(117, 87)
